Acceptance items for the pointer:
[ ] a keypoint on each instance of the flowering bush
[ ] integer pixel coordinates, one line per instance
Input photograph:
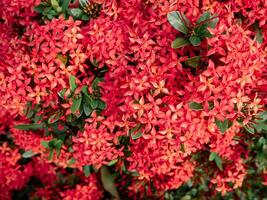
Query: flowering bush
(133, 99)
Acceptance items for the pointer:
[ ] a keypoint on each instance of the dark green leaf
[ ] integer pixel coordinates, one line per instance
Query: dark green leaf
(85, 90)
(86, 109)
(112, 162)
(94, 103)
(177, 20)
(87, 170)
(222, 125)
(65, 5)
(195, 40)
(249, 128)
(28, 127)
(85, 17)
(28, 154)
(108, 182)
(193, 61)
(72, 82)
(218, 162)
(76, 103)
(51, 154)
(95, 83)
(179, 42)
(101, 105)
(195, 106)
(212, 156)
(203, 17)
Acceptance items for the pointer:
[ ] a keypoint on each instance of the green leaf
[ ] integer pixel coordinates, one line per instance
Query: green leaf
(65, 5)
(71, 161)
(87, 170)
(195, 106)
(95, 84)
(94, 103)
(76, 12)
(101, 105)
(63, 59)
(85, 90)
(212, 23)
(85, 17)
(45, 144)
(177, 20)
(222, 125)
(203, 17)
(58, 145)
(28, 127)
(193, 61)
(136, 136)
(61, 93)
(87, 110)
(179, 42)
(249, 128)
(28, 154)
(218, 162)
(55, 117)
(195, 40)
(55, 4)
(72, 82)
(112, 162)
(51, 154)
(76, 103)
(212, 156)
(109, 183)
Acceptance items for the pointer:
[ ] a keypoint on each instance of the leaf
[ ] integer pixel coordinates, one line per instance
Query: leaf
(85, 17)
(87, 170)
(218, 162)
(176, 20)
(76, 12)
(203, 17)
(112, 162)
(195, 106)
(85, 90)
(222, 125)
(212, 23)
(193, 61)
(28, 154)
(249, 128)
(179, 42)
(71, 161)
(63, 59)
(28, 127)
(109, 183)
(55, 117)
(136, 136)
(95, 83)
(86, 109)
(45, 144)
(76, 103)
(212, 156)
(94, 103)
(101, 105)
(55, 4)
(61, 93)
(72, 82)
(58, 145)
(65, 5)
(195, 40)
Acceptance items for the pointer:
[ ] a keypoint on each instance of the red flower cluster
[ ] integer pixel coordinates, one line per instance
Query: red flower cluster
(160, 114)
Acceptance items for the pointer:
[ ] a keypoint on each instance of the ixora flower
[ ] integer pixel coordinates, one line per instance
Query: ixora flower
(137, 99)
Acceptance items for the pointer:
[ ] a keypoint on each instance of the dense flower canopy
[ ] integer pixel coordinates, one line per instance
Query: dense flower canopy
(79, 95)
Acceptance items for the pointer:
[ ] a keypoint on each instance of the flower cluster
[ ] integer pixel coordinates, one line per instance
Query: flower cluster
(77, 96)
